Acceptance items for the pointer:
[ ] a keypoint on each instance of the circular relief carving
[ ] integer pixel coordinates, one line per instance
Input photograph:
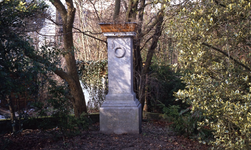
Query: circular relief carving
(119, 52)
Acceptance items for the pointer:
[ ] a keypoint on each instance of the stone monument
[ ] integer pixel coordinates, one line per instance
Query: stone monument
(121, 111)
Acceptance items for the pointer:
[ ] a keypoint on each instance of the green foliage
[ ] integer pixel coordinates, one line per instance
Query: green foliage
(180, 123)
(214, 45)
(59, 109)
(171, 111)
(22, 76)
(18, 73)
(92, 71)
(163, 82)
(184, 122)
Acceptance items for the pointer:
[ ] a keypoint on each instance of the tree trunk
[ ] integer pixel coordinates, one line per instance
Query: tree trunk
(145, 108)
(71, 76)
(151, 50)
(116, 10)
(137, 59)
(131, 12)
(12, 113)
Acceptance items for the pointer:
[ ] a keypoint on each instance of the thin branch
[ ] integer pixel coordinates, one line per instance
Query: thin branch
(154, 23)
(96, 12)
(226, 54)
(146, 42)
(56, 23)
(79, 31)
(74, 32)
(98, 33)
(47, 34)
(154, 43)
(216, 1)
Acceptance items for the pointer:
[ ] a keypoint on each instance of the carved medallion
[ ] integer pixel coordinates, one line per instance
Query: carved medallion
(119, 52)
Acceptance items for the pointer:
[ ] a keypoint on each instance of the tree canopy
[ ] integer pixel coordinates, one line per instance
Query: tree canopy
(13, 44)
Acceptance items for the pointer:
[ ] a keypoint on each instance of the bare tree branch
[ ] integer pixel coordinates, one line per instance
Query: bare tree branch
(79, 31)
(143, 6)
(88, 35)
(96, 12)
(150, 27)
(146, 42)
(60, 7)
(98, 33)
(154, 43)
(226, 54)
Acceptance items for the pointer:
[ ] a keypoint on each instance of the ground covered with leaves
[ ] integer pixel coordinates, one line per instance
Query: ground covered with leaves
(155, 135)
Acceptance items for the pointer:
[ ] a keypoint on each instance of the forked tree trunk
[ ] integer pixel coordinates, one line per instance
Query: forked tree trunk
(151, 50)
(71, 76)
(141, 71)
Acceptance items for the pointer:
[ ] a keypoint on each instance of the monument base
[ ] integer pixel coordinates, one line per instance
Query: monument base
(120, 119)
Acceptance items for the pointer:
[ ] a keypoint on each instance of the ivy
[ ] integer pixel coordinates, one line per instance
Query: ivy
(94, 76)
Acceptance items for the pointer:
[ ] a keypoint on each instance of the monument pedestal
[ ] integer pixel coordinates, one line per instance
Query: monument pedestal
(121, 111)
(120, 118)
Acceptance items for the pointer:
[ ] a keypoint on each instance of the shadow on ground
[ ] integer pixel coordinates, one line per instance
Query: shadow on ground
(155, 136)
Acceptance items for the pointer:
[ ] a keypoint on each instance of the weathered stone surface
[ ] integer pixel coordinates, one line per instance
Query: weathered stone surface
(120, 120)
(121, 111)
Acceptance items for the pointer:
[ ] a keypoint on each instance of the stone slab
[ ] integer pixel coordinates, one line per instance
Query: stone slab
(120, 120)
(120, 65)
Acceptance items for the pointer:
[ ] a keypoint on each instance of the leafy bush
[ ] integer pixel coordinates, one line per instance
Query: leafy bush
(214, 45)
(61, 111)
(17, 72)
(184, 122)
(162, 83)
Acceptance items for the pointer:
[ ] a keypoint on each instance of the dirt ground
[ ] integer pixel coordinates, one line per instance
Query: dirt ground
(155, 136)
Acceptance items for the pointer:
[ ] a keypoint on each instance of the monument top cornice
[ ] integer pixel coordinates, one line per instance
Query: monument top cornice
(119, 34)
